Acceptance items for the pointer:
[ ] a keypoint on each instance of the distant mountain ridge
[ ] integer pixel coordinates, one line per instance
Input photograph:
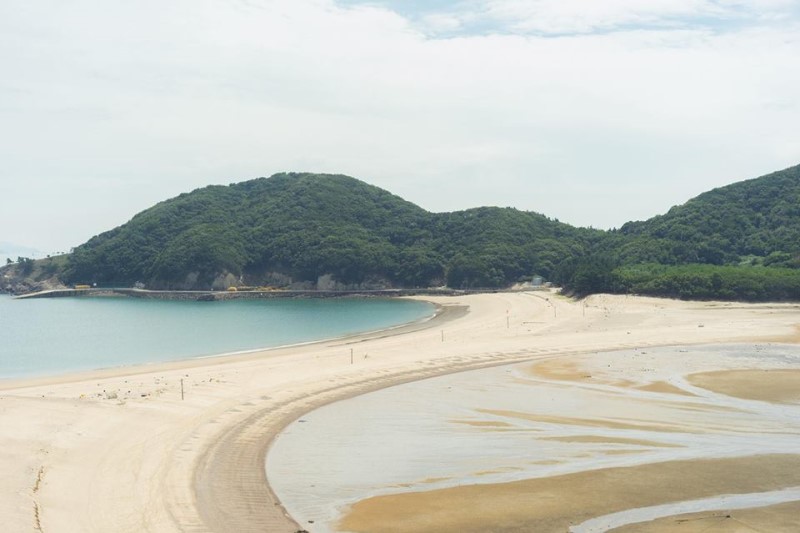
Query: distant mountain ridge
(302, 230)
(12, 251)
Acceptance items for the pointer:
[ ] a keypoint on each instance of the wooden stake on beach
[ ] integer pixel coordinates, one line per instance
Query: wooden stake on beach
(181, 388)
(351, 356)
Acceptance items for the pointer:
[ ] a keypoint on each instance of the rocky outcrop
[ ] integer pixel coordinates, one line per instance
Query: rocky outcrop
(39, 275)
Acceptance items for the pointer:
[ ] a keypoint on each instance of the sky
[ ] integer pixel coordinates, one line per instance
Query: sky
(593, 112)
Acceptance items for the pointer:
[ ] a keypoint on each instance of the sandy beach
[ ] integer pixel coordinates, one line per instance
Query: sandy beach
(120, 450)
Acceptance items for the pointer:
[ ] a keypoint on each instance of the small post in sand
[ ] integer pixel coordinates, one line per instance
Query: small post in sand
(442, 335)
(351, 356)
(181, 388)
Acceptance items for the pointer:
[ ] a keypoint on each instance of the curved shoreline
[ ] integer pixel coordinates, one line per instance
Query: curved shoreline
(122, 449)
(203, 360)
(232, 470)
(218, 489)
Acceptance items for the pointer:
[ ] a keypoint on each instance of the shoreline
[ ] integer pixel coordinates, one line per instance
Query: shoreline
(221, 295)
(134, 369)
(81, 459)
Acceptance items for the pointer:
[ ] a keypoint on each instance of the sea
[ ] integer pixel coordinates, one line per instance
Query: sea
(43, 337)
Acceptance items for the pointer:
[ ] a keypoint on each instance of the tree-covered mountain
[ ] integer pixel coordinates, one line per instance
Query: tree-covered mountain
(300, 229)
(757, 221)
(741, 241)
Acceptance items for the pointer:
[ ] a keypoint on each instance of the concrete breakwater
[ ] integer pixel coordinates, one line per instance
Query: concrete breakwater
(230, 295)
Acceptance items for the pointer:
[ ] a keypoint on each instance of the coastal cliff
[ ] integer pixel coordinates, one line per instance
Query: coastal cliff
(32, 276)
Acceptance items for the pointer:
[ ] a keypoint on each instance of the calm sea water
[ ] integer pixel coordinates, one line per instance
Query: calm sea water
(52, 336)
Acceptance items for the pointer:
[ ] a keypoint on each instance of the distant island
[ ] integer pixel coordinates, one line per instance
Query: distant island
(333, 232)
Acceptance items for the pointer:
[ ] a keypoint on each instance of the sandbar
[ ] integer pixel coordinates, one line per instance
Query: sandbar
(553, 504)
(769, 385)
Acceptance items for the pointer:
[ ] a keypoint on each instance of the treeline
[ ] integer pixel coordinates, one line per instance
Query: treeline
(687, 282)
(706, 282)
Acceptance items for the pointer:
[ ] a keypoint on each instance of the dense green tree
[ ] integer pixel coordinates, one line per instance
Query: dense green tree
(305, 226)
(736, 242)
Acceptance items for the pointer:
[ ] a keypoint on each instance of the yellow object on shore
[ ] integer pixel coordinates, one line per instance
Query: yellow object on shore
(79, 287)
(232, 289)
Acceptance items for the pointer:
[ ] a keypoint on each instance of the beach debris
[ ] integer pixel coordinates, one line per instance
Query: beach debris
(111, 395)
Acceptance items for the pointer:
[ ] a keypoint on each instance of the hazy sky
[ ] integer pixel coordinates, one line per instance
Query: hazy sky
(594, 112)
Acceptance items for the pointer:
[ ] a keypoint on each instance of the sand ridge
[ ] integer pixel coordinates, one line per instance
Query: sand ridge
(118, 450)
(769, 385)
(554, 504)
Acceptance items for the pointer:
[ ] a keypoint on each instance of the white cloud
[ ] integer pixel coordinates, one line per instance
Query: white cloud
(112, 106)
(579, 16)
(441, 23)
(565, 17)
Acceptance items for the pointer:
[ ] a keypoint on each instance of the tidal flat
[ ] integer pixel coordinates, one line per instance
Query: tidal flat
(585, 443)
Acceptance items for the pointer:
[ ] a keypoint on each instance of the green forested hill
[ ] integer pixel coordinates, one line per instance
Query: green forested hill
(294, 228)
(739, 242)
(736, 242)
(757, 220)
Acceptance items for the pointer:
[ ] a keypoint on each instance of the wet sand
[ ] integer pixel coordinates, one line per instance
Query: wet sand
(771, 518)
(121, 450)
(768, 385)
(524, 431)
(554, 504)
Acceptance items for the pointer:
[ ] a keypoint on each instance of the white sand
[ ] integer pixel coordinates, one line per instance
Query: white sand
(77, 459)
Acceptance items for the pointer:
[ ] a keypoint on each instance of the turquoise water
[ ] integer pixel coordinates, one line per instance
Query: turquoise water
(54, 336)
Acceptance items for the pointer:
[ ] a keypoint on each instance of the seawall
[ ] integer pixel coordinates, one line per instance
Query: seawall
(230, 295)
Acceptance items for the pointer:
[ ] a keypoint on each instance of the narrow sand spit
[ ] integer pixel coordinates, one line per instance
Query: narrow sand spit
(119, 450)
